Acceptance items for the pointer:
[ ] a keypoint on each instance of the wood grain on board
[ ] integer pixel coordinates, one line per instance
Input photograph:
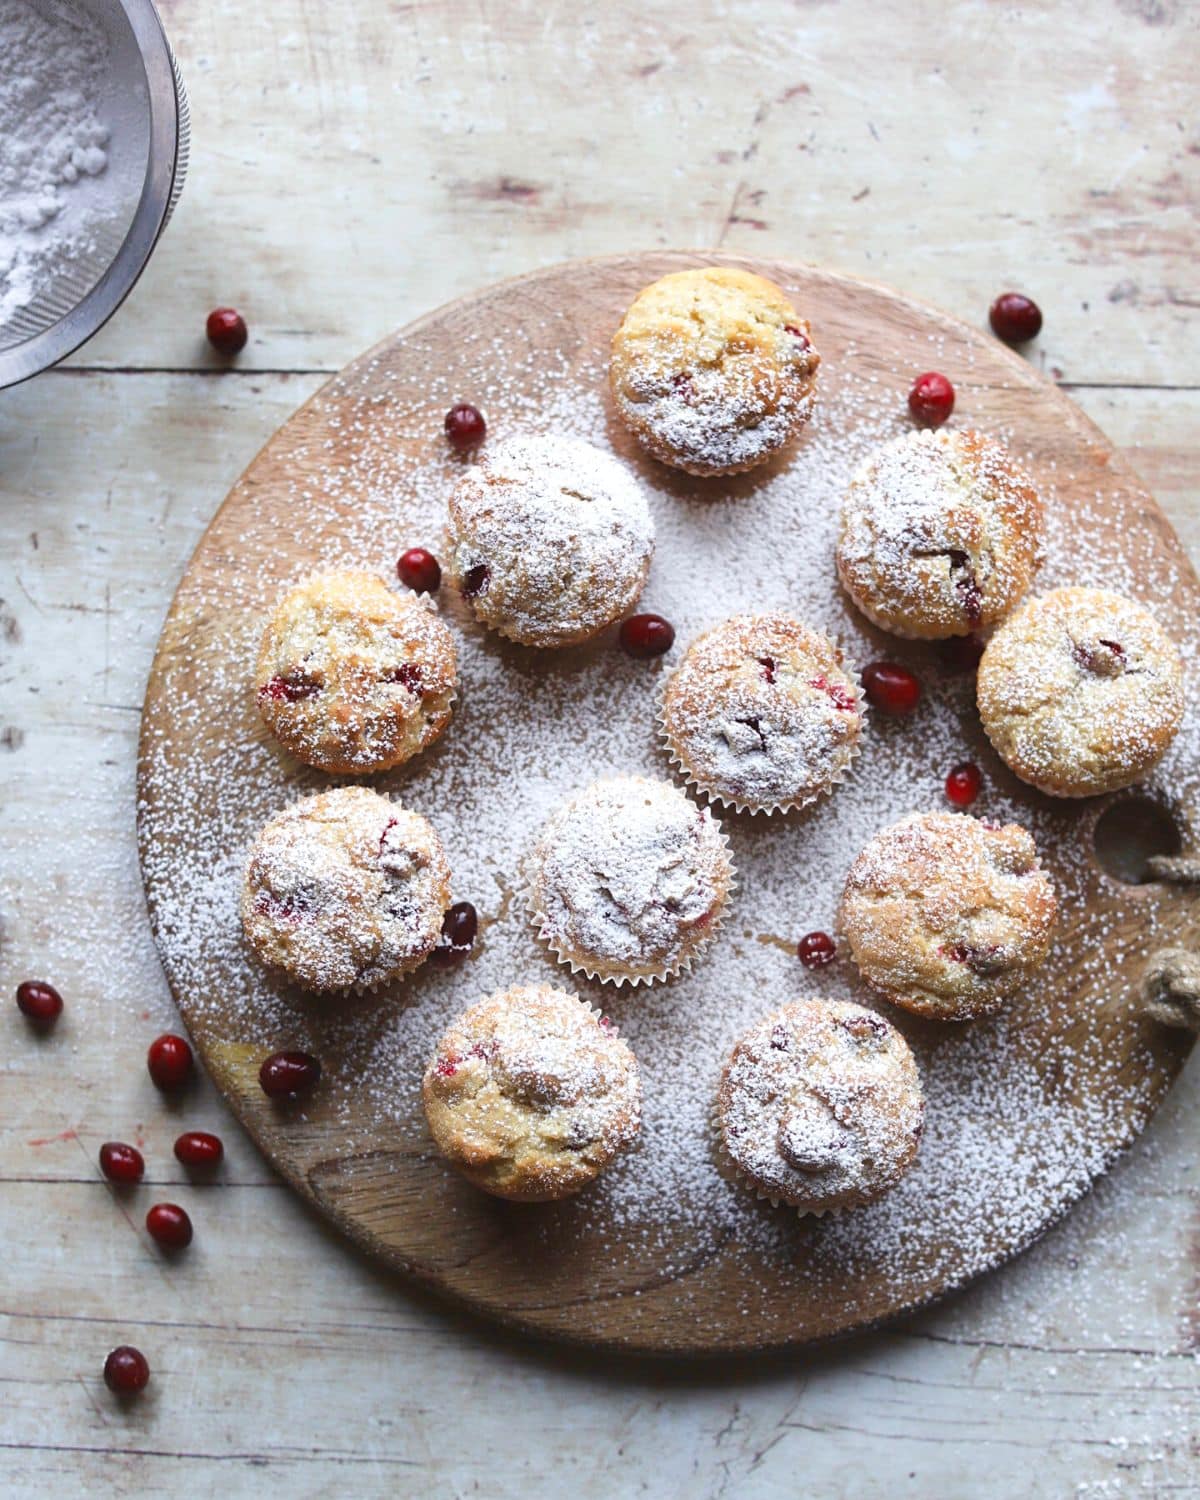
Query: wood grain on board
(396, 1199)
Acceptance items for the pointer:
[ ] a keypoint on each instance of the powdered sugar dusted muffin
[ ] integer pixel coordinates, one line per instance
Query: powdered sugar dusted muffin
(549, 540)
(948, 916)
(1081, 692)
(345, 889)
(820, 1106)
(530, 1094)
(763, 713)
(353, 678)
(940, 535)
(628, 880)
(713, 370)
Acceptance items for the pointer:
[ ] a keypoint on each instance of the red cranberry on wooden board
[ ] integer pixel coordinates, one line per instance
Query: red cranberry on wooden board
(1015, 318)
(816, 949)
(199, 1148)
(644, 636)
(459, 927)
(465, 427)
(963, 784)
(126, 1371)
(931, 399)
(169, 1226)
(169, 1061)
(39, 1002)
(226, 330)
(419, 570)
(121, 1163)
(287, 1075)
(891, 688)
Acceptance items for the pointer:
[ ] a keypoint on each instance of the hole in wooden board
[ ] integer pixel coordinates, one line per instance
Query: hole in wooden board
(1131, 832)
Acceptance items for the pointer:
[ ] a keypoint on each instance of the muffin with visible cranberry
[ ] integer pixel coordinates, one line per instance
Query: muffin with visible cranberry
(763, 713)
(549, 540)
(353, 678)
(629, 880)
(345, 890)
(1081, 692)
(940, 534)
(530, 1094)
(713, 370)
(947, 916)
(820, 1107)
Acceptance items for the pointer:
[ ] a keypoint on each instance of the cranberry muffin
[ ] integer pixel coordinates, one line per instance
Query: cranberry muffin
(763, 713)
(629, 880)
(947, 916)
(941, 534)
(1081, 692)
(353, 678)
(820, 1107)
(344, 890)
(713, 370)
(530, 1094)
(549, 540)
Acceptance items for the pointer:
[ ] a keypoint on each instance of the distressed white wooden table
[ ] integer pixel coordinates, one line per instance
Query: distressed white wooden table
(354, 166)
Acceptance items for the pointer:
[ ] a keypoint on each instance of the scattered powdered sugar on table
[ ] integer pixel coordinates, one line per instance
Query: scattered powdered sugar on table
(52, 139)
(1014, 1129)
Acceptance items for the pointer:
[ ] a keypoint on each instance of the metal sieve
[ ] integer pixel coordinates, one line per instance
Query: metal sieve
(81, 296)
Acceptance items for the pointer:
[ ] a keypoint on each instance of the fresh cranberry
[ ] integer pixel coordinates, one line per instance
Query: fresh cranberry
(408, 675)
(126, 1371)
(961, 653)
(797, 333)
(121, 1163)
(465, 426)
(459, 926)
(289, 688)
(197, 1148)
(816, 949)
(841, 697)
(287, 1075)
(39, 1002)
(1014, 318)
(644, 636)
(170, 1061)
(420, 571)
(931, 399)
(226, 329)
(169, 1226)
(963, 784)
(890, 688)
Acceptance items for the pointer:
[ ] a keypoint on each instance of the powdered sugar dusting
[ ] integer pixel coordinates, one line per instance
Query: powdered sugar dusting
(1017, 1122)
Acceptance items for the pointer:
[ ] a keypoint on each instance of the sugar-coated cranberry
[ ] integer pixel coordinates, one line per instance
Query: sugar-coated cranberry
(841, 697)
(39, 1002)
(198, 1148)
(459, 927)
(126, 1371)
(476, 580)
(645, 636)
(891, 688)
(226, 329)
(931, 399)
(961, 653)
(419, 570)
(287, 1075)
(169, 1226)
(121, 1163)
(1015, 318)
(289, 688)
(816, 949)
(797, 333)
(408, 675)
(446, 1067)
(963, 784)
(170, 1061)
(465, 427)
(769, 668)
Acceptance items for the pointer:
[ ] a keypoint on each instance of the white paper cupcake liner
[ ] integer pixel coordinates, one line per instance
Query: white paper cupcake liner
(795, 804)
(541, 924)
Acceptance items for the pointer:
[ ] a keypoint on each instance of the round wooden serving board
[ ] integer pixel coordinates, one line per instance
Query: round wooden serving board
(661, 1256)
